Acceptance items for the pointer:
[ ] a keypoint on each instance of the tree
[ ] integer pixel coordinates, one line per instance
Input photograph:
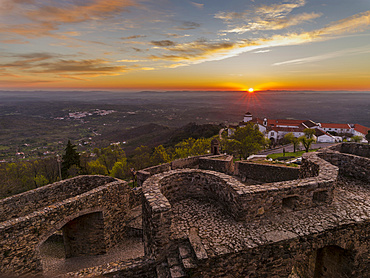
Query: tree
(306, 142)
(368, 136)
(110, 155)
(309, 132)
(356, 139)
(140, 158)
(290, 138)
(159, 156)
(249, 140)
(71, 158)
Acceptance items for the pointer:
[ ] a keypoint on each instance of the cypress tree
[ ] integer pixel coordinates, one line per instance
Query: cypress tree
(70, 158)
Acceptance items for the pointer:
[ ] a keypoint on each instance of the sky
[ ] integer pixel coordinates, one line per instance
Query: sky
(185, 45)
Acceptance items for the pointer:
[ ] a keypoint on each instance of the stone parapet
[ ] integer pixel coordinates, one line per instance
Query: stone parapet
(27, 202)
(354, 166)
(218, 163)
(264, 172)
(355, 149)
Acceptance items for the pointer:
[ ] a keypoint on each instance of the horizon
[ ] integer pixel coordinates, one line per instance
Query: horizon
(135, 45)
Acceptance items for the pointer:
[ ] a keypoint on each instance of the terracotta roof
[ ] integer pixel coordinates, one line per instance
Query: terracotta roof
(287, 129)
(330, 125)
(362, 129)
(284, 122)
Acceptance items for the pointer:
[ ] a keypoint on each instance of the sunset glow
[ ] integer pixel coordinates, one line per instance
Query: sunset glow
(185, 45)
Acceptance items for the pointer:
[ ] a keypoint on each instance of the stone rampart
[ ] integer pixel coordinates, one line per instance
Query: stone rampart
(27, 202)
(355, 149)
(190, 162)
(218, 163)
(265, 172)
(244, 202)
(22, 236)
(349, 165)
(281, 256)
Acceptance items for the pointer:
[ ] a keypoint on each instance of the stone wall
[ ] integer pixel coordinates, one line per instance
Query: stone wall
(22, 236)
(280, 257)
(27, 202)
(190, 162)
(219, 163)
(244, 202)
(265, 172)
(356, 149)
(349, 165)
(133, 268)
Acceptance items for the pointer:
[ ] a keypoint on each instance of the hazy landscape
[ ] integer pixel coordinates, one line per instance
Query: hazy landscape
(39, 122)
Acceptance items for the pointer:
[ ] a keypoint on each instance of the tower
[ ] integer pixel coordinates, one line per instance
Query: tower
(247, 117)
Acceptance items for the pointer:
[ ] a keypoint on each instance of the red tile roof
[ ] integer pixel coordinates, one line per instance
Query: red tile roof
(330, 125)
(363, 129)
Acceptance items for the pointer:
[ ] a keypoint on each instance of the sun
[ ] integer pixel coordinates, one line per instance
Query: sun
(251, 90)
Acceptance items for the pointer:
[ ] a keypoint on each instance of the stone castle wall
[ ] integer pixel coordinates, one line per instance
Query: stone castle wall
(190, 162)
(265, 172)
(27, 202)
(22, 236)
(349, 165)
(355, 149)
(218, 163)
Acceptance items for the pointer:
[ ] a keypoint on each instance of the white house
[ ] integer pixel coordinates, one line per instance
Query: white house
(275, 129)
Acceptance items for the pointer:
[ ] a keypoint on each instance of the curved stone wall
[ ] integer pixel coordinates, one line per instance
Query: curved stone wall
(22, 236)
(244, 202)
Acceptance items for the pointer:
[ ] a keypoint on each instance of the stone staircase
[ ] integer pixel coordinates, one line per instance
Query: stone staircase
(186, 258)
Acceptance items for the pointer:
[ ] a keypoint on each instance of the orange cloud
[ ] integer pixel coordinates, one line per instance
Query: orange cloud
(46, 18)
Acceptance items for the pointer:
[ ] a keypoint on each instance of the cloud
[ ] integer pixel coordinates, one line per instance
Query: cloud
(163, 43)
(129, 61)
(262, 51)
(358, 22)
(197, 5)
(133, 37)
(46, 63)
(266, 17)
(335, 54)
(201, 50)
(187, 25)
(274, 24)
(46, 16)
(80, 67)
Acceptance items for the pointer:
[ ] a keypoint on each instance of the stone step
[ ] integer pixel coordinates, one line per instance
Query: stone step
(187, 257)
(163, 271)
(196, 244)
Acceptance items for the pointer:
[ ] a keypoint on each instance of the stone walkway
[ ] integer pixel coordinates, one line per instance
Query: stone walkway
(55, 264)
(221, 234)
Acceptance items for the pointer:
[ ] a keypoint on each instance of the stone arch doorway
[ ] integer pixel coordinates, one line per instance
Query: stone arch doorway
(78, 235)
(333, 261)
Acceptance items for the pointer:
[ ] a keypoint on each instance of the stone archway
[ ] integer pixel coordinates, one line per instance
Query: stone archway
(80, 234)
(84, 235)
(333, 261)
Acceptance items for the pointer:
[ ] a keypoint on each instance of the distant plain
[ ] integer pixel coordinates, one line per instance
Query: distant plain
(29, 120)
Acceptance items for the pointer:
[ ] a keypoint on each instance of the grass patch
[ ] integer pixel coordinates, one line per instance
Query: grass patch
(288, 154)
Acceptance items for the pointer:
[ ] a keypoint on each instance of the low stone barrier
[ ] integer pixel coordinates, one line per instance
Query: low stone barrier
(190, 162)
(218, 163)
(265, 172)
(355, 149)
(349, 165)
